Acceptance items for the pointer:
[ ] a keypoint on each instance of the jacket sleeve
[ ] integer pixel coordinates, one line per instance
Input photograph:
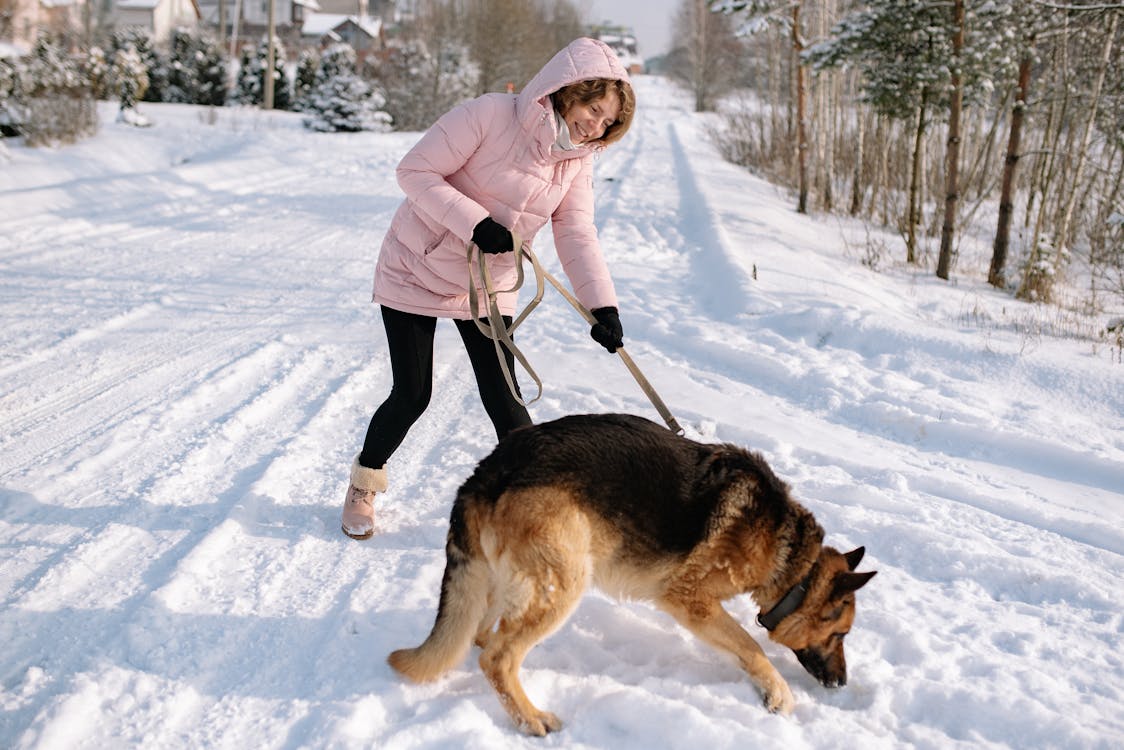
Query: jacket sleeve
(575, 240)
(442, 150)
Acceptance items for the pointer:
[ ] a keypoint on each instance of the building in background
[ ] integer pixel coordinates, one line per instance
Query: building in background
(22, 21)
(623, 41)
(159, 17)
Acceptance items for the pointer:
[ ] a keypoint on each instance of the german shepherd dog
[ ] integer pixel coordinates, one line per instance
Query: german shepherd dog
(642, 513)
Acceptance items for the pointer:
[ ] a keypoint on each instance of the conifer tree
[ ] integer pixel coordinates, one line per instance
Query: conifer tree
(341, 100)
(917, 62)
(196, 70)
(130, 79)
(308, 64)
(250, 85)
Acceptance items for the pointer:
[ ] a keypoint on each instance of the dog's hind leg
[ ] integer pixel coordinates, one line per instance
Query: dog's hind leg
(713, 624)
(488, 621)
(544, 570)
(465, 590)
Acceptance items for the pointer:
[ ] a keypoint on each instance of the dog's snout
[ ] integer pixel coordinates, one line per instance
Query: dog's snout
(828, 671)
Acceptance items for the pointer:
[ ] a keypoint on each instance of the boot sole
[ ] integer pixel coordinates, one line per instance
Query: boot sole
(368, 535)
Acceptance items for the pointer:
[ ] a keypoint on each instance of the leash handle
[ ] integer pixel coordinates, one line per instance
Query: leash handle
(500, 334)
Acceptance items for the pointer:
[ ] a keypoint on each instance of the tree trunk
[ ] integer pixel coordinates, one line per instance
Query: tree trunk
(952, 167)
(915, 183)
(801, 113)
(1062, 233)
(1035, 282)
(857, 174)
(995, 275)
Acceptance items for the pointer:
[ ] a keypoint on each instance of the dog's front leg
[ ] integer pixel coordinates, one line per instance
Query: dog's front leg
(714, 625)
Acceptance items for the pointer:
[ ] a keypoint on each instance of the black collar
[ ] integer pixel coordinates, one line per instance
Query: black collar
(786, 606)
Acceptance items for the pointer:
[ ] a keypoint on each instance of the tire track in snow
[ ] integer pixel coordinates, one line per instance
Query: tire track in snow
(719, 284)
(134, 558)
(64, 408)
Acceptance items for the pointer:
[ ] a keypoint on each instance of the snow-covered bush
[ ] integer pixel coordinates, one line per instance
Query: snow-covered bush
(55, 100)
(250, 86)
(129, 77)
(155, 62)
(11, 72)
(341, 100)
(196, 69)
(95, 68)
(308, 65)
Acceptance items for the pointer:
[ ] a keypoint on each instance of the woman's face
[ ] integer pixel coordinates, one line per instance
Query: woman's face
(588, 122)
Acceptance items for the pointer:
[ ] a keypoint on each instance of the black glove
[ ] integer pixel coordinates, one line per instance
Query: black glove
(492, 237)
(607, 330)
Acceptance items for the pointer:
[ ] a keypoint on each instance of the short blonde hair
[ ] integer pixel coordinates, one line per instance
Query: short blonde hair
(584, 92)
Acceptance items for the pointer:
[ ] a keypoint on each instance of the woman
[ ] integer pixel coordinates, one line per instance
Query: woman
(498, 164)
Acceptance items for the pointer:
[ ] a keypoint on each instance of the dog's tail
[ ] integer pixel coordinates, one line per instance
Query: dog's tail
(464, 602)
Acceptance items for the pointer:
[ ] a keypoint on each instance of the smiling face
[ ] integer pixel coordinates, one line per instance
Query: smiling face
(588, 121)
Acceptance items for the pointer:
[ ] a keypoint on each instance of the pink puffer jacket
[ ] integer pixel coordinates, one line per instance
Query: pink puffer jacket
(495, 156)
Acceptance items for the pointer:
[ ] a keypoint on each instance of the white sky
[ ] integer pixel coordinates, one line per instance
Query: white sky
(650, 19)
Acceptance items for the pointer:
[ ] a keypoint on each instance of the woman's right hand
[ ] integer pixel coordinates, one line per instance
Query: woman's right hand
(492, 237)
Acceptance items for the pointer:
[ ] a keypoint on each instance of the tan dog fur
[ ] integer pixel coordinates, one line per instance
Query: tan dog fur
(522, 551)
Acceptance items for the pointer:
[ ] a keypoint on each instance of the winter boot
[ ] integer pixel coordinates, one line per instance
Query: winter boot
(359, 506)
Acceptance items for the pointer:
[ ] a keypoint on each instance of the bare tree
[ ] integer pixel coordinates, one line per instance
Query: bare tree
(509, 40)
(952, 165)
(706, 62)
(996, 273)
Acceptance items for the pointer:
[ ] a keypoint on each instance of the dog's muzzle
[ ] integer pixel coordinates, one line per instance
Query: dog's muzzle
(820, 668)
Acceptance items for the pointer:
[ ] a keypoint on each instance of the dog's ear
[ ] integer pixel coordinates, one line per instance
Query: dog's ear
(854, 557)
(845, 583)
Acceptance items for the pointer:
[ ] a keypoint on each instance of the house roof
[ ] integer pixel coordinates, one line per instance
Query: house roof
(8, 49)
(319, 24)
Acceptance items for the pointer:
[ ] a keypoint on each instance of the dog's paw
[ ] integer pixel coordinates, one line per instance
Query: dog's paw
(778, 698)
(541, 724)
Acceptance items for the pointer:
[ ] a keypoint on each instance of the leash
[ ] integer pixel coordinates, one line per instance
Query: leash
(499, 334)
(494, 328)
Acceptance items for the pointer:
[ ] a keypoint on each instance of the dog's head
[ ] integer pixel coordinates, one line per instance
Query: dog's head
(815, 630)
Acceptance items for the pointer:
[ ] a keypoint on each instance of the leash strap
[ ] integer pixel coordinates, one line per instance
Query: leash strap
(495, 330)
(642, 381)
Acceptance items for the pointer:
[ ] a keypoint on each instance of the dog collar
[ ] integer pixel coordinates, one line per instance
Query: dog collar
(786, 606)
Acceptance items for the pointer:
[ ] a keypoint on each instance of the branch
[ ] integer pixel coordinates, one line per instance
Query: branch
(1078, 8)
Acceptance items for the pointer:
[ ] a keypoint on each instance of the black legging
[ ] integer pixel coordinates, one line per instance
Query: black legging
(410, 340)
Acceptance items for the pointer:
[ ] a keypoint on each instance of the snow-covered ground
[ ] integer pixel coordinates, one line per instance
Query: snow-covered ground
(189, 357)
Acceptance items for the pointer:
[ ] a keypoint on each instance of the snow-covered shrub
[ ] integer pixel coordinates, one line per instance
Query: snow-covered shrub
(95, 68)
(155, 62)
(308, 65)
(57, 103)
(130, 79)
(250, 86)
(341, 100)
(11, 73)
(196, 70)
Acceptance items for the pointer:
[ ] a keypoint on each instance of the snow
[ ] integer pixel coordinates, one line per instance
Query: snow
(189, 359)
